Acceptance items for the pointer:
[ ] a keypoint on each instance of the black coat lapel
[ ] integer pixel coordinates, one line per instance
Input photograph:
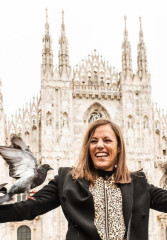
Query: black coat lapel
(127, 201)
(86, 201)
(84, 183)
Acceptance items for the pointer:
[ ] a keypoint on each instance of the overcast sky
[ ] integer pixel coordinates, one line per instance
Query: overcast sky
(90, 24)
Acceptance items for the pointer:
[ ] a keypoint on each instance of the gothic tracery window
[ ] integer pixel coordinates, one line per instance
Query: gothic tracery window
(95, 112)
(95, 116)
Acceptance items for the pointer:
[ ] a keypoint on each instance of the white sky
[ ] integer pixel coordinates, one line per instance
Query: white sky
(90, 24)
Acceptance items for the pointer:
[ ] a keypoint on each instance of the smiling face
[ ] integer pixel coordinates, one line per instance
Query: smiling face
(103, 148)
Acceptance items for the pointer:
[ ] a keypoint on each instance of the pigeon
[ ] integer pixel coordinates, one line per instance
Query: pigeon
(23, 167)
(3, 189)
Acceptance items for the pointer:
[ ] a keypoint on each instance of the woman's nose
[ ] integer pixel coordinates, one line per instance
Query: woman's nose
(100, 144)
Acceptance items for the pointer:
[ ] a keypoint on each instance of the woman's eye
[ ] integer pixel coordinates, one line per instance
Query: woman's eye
(93, 141)
(107, 140)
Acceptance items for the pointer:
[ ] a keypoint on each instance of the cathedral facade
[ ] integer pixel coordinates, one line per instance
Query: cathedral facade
(70, 99)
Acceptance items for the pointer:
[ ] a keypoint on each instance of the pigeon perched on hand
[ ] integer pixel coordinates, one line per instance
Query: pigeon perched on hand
(23, 167)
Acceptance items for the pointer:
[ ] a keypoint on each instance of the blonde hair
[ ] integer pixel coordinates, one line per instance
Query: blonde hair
(84, 167)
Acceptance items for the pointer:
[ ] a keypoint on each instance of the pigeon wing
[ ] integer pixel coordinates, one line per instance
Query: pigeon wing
(18, 142)
(19, 161)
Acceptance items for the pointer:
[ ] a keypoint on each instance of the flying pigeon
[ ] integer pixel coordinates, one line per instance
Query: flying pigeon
(23, 167)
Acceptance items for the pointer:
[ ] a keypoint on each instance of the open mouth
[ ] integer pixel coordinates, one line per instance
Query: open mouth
(101, 154)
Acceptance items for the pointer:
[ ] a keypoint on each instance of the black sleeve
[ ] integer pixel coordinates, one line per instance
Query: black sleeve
(46, 199)
(158, 197)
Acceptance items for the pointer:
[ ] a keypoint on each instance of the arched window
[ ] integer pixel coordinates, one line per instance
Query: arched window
(23, 233)
(94, 112)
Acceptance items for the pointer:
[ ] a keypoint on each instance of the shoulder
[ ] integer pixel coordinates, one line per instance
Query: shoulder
(64, 170)
(138, 176)
(63, 174)
(140, 183)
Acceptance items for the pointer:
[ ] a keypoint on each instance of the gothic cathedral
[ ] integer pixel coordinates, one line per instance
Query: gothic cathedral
(53, 124)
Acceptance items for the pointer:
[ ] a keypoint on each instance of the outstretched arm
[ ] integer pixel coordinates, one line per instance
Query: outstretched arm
(158, 198)
(46, 199)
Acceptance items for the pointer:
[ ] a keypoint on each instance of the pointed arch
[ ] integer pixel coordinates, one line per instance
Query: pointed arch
(94, 112)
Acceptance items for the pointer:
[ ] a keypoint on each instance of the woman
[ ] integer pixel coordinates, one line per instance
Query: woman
(100, 198)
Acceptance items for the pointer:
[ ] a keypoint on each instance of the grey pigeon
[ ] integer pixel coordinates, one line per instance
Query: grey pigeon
(23, 167)
(3, 189)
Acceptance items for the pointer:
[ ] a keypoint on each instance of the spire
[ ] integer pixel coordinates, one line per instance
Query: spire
(63, 50)
(62, 25)
(47, 57)
(125, 30)
(126, 54)
(141, 31)
(142, 58)
(46, 24)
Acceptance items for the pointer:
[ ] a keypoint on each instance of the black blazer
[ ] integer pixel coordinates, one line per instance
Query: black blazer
(77, 204)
